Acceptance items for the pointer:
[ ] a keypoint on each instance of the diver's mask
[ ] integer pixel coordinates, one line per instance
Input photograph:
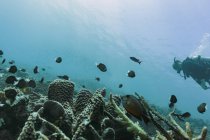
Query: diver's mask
(177, 65)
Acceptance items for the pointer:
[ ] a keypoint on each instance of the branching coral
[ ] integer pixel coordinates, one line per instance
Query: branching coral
(85, 117)
(29, 131)
(63, 116)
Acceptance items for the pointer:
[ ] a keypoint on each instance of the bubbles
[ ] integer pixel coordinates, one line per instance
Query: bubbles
(204, 47)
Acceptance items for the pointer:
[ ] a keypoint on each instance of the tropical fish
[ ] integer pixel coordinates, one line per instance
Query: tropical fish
(120, 85)
(102, 67)
(131, 74)
(11, 79)
(12, 62)
(97, 78)
(35, 70)
(12, 69)
(1, 52)
(135, 60)
(173, 100)
(58, 60)
(31, 83)
(3, 61)
(135, 108)
(182, 116)
(65, 77)
(21, 83)
(202, 108)
(42, 80)
(23, 70)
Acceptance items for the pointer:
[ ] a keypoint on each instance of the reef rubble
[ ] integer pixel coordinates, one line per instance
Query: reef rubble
(63, 114)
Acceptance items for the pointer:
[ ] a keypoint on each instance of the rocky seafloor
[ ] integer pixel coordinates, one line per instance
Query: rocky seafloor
(56, 111)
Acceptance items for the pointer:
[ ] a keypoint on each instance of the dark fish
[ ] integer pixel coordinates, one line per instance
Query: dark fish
(1, 52)
(3, 61)
(36, 70)
(202, 108)
(103, 92)
(102, 67)
(120, 85)
(23, 70)
(83, 86)
(131, 74)
(12, 69)
(134, 107)
(11, 79)
(173, 100)
(42, 80)
(58, 60)
(97, 78)
(186, 115)
(135, 60)
(11, 62)
(31, 83)
(21, 83)
(65, 77)
(182, 116)
(43, 69)
(10, 93)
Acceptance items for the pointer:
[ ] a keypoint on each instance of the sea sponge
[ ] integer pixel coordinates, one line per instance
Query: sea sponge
(82, 100)
(61, 90)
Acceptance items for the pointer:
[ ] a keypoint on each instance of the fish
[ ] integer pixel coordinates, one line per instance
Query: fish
(102, 67)
(135, 60)
(1, 52)
(3, 61)
(97, 79)
(182, 116)
(42, 80)
(11, 62)
(65, 77)
(131, 74)
(202, 108)
(21, 83)
(31, 83)
(43, 69)
(103, 92)
(11, 79)
(173, 100)
(12, 69)
(23, 70)
(35, 70)
(135, 108)
(120, 85)
(58, 60)
(83, 86)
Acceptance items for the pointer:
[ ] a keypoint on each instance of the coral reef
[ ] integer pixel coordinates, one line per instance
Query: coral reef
(63, 114)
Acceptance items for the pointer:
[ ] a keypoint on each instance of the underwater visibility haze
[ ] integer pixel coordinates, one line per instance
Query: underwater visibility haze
(85, 33)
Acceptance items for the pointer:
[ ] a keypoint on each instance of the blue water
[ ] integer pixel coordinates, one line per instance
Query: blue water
(86, 32)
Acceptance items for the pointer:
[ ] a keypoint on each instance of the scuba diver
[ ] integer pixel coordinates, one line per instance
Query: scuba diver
(196, 67)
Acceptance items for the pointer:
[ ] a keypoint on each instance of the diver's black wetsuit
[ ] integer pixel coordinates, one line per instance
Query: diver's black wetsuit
(198, 68)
